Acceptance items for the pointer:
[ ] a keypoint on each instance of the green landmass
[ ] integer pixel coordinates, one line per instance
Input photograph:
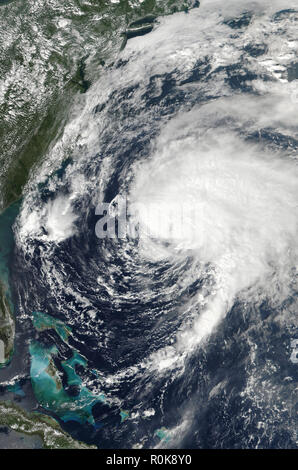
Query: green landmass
(52, 435)
(7, 324)
(7, 328)
(52, 54)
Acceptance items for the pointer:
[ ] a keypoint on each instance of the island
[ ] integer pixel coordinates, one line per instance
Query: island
(47, 428)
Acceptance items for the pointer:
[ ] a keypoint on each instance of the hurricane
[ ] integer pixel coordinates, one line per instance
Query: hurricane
(176, 332)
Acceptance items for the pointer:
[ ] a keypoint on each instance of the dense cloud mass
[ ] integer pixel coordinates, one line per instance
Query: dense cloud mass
(195, 125)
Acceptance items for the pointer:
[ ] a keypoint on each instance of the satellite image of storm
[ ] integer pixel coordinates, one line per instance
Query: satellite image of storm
(148, 226)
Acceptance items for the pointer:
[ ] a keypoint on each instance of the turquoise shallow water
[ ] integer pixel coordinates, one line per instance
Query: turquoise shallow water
(42, 321)
(16, 389)
(127, 315)
(50, 392)
(46, 382)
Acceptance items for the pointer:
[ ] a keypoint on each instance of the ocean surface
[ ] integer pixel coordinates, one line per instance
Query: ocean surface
(178, 334)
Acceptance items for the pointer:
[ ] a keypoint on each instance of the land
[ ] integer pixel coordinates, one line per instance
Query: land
(40, 83)
(50, 55)
(7, 328)
(49, 430)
